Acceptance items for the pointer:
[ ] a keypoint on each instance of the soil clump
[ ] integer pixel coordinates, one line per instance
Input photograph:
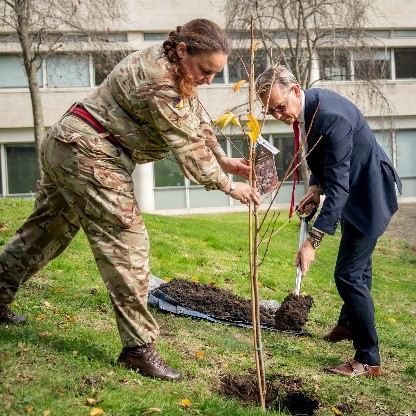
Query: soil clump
(293, 312)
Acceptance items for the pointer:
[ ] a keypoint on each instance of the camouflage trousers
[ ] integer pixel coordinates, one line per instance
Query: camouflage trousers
(87, 183)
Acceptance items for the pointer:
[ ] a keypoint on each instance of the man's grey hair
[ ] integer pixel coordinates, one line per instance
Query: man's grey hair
(276, 74)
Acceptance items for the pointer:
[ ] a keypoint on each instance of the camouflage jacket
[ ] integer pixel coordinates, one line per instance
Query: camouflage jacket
(140, 105)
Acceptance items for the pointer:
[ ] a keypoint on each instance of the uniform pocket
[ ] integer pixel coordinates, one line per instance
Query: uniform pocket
(110, 196)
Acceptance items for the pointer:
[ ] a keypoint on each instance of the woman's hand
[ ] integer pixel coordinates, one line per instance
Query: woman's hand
(245, 193)
(235, 166)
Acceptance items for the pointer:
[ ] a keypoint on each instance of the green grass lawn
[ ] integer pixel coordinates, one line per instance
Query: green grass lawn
(63, 361)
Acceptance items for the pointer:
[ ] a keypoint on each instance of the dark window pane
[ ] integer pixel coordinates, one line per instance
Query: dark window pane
(219, 78)
(22, 168)
(104, 63)
(168, 173)
(405, 63)
(286, 145)
(239, 64)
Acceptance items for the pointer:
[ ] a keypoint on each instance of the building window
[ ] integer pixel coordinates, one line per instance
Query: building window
(239, 64)
(68, 71)
(334, 65)
(286, 145)
(219, 78)
(104, 62)
(168, 173)
(12, 73)
(155, 36)
(21, 168)
(405, 60)
(372, 65)
(406, 150)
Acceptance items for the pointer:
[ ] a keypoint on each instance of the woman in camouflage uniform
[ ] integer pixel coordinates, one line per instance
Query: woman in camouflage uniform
(144, 110)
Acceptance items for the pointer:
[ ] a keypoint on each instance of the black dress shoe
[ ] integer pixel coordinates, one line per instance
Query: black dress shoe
(146, 360)
(9, 317)
(338, 333)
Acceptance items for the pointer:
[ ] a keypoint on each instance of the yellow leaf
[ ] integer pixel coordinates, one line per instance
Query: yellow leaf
(195, 279)
(46, 412)
(238, 85)
(225, 119)
(28, 409)
(186, 403)
(254, 127)
(236, 121)
(90, 401)
(96, 411)
(336, 411)
(47, 304)
(392, 320)
(75, 352)
(200, 354)
(41, 317)
(60, 290)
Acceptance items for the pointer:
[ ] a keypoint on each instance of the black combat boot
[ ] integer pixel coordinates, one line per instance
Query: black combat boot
(146, 360)
(9, 317)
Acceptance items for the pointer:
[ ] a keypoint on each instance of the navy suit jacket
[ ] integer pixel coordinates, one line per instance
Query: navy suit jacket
(356, 175)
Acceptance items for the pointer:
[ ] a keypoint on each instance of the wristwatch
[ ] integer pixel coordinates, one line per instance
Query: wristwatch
(232, 188)
(316, 242)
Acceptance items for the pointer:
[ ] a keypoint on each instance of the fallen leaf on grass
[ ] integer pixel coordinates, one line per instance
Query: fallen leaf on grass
(28, 409)
(336, 411)
(151, 410)
(2, 227)
(41, 317)
(392, 320)
(90, 401)
(46, 412)
(200, 354)
(97, 411)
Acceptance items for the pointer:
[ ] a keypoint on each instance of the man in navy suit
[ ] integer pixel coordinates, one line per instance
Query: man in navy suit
(359, 182)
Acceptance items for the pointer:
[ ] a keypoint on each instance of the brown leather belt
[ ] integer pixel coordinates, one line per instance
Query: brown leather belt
(82, 114)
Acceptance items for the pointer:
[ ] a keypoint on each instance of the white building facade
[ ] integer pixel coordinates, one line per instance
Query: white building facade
(160, 186)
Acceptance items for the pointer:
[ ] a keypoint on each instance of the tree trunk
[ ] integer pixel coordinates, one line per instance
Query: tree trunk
(22, 10)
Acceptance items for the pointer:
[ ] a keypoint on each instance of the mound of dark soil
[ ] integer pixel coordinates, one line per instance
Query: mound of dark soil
(223, 305)
(293, 312)
(213, 301)
(282, 393)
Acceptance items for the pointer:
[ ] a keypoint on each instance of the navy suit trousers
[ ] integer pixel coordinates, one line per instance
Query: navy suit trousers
(353, 278)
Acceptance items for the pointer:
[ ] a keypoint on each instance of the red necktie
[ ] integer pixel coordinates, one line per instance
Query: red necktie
(295, 172)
